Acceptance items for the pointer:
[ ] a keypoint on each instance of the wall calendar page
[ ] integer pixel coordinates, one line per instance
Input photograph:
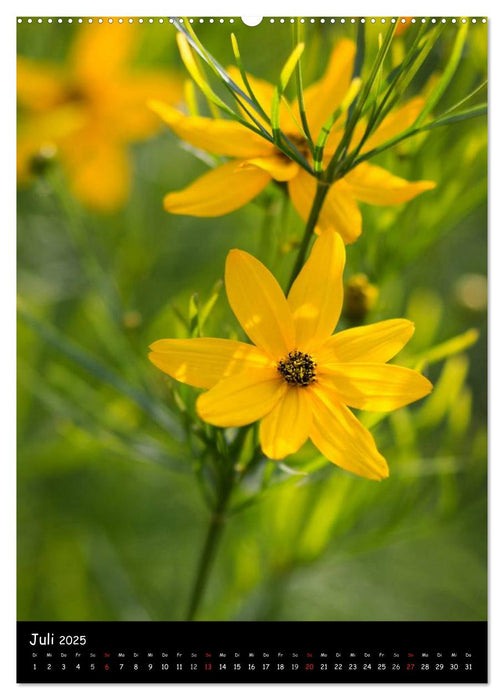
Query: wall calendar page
(252, 364)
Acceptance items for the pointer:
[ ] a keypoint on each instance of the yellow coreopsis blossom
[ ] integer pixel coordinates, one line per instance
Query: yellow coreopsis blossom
(297, 379)
(256, 161)
(88, 111)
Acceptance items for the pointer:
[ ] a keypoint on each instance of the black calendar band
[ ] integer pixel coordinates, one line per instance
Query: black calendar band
(248, 652)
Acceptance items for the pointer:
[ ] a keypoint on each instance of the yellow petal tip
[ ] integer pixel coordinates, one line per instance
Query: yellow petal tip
(154, 357)
(155, 105)
(154, 345)
(171, 203)
(235, 254)
(166, 203)
(410, 325)
(429, 386)
(382, 471)
(164, 111)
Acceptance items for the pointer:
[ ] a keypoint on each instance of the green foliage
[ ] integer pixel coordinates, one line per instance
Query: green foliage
(112, 484)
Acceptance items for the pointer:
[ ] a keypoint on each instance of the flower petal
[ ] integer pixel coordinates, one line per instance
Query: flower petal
(242, 398)
(99, 171)
(285, 429)
(221, 136)
(259, 304)
(378, 342)
(203, 362)
(324, 97)
(100, 52)
(393, 124)
(219, 191)
(46, 131)
(397, 121)
(316, 296)
(337, 433)
(40, 85)
(340, 212)
(263, 92)
(375, 185)
(129, 97)
(374, 386)
(279, 167)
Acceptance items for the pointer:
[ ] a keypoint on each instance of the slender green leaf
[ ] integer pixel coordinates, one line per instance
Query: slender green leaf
(246, 82)
(379, 109)
(194, 306)
(448, 118)
(361, 101)
(360, 55)
(467, 97)
(190, 98)
(188, 32)
(299, 88)
(206, 310)
(189, 36)
(443, 120)
(195, 73)
(455, 345)
(354, 88)
(285, 76)
(447, 75)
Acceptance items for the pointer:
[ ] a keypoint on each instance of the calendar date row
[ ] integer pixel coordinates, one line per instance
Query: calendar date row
(223, 667)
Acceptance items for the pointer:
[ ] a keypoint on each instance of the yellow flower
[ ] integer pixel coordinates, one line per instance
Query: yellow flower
(90, 109)
(256, 161)
(297, 378)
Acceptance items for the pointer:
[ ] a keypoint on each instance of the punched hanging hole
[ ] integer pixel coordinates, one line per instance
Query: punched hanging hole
(251, 21)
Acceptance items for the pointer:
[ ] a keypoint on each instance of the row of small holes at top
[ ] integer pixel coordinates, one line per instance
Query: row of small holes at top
(272, 20)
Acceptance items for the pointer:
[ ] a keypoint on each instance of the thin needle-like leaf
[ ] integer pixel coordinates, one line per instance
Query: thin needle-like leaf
(190, 98)
(467, 97)
(188, 32)
(354, 88)
(359, 59)
(447, 76)
(299, 88)
(195, 73)
(443, 120)
(454, 346)
(285, 76)
(192, 67)
(246, 82)
(236, 92)
(361, 101)
(397, 82)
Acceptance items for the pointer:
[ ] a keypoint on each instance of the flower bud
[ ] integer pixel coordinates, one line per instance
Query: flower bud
(43, 159)
(360, 297)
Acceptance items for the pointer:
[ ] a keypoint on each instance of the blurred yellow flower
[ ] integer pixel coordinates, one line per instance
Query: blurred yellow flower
(256, 161)
(360, 297)
(90, 109)
(297, 378)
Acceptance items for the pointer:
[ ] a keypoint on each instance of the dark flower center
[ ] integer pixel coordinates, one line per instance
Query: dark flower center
(75, 94)
(298, 368)
(299, 142)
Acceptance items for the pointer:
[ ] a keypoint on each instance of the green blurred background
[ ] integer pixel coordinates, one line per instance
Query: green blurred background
(111, 520)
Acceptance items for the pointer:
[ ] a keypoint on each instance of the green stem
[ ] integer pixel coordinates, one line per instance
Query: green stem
(320, 195)
(207, 557)
(218, 519)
